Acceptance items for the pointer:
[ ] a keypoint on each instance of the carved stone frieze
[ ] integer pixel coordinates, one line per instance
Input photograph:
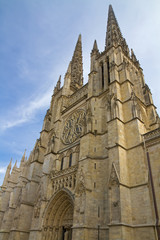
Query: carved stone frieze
(153, 134)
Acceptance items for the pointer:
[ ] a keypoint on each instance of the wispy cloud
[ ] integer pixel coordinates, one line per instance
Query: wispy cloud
(26, 112)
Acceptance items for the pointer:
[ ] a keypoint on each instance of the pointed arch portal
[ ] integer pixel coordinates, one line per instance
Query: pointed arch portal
(58, 219)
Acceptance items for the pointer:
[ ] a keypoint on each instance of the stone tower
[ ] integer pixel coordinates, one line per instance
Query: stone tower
(94, 173)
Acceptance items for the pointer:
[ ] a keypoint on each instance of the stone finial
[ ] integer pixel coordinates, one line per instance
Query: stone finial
(113, 35)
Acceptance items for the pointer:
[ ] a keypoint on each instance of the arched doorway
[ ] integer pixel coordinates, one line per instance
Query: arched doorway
(58, 219)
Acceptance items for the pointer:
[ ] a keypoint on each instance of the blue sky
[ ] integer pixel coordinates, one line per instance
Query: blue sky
(37, 39)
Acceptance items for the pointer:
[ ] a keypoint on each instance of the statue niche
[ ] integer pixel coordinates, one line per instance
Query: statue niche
(112, 106)
(51, 142)
(89, 118)
(136, 111)
(80, 196)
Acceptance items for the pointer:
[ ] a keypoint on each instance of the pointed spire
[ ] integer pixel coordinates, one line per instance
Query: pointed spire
(134, 59)
(23, 158)
(10, 164)
(59, 82)
(95, 48)
(133, 56)
(15, 166)
(77, 65)
(58, 85)
(114, 36)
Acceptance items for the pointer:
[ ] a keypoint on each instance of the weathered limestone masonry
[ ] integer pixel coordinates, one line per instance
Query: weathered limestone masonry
(87, 177)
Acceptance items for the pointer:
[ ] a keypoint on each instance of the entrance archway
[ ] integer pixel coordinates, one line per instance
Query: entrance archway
(58, 219)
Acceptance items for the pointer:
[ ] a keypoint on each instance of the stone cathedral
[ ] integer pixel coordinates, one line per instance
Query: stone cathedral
(94, 173)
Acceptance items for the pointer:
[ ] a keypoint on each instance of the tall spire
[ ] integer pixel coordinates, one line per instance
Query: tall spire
(77, 65)
(114, 36)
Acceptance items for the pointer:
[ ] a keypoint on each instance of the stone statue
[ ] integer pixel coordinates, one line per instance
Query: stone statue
(51, 142)
(114, 107)
(136, 110)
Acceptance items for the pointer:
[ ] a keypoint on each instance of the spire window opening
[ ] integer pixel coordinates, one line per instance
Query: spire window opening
(62, 162)
(108, 70)
(102, 71)
(70, 160)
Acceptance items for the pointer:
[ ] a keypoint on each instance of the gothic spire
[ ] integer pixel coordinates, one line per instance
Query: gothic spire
(77, 65)
(114, 36)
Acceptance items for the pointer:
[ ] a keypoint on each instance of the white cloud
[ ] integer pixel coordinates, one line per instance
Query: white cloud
(26, 112)
(3, 170)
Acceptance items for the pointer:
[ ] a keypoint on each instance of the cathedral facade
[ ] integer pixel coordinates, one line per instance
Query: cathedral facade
(94, 173)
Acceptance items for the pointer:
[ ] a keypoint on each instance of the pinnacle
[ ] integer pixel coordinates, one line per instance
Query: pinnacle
(134, 59)
(78, 46)
(95, 47)
(10, 164)
(59, 78)
(15, 165)
(23, 157)
(114, 36)
(79, 38)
